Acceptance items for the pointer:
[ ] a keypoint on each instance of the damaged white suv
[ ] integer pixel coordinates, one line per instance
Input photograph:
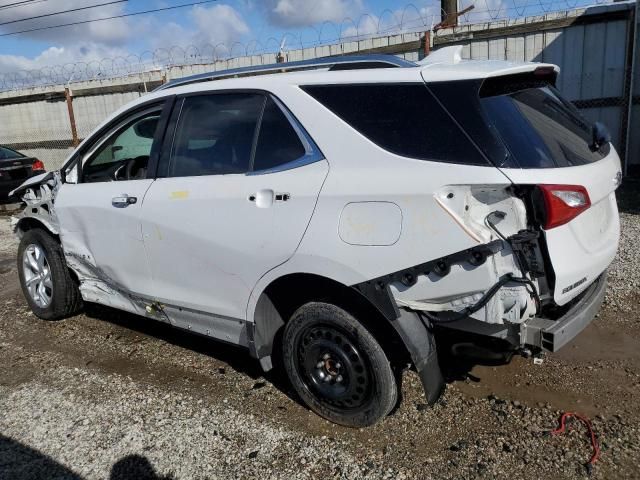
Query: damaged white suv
(333, 216)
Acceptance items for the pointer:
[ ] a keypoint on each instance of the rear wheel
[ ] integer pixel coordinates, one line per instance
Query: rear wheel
(46, 282)
(337, 366)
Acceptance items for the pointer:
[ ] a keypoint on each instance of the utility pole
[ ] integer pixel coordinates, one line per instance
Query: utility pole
(449, 14)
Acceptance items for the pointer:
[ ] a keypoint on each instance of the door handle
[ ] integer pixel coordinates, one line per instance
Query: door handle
(123, 201)
(265, 198)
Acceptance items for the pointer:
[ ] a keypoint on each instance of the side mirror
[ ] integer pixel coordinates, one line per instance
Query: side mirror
(599, 136)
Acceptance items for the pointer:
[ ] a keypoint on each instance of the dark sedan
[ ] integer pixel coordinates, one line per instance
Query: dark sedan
(15, 168)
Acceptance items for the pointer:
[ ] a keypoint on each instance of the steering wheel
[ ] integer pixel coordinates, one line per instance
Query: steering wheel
(134, 168)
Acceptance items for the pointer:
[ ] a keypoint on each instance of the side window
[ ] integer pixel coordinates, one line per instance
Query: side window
(124, 155)
(278, 142)
(215, 134)
(404, 119)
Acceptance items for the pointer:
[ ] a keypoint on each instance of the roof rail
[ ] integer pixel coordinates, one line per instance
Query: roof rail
(347, 62)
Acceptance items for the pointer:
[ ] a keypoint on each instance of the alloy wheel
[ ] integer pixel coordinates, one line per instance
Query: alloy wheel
(37, 275)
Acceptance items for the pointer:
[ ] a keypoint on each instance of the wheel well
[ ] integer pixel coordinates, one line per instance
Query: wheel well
(286, 294)
(26, 224)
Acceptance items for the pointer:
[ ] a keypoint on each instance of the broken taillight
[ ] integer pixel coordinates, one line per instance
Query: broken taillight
(37, 165)
(563, 203)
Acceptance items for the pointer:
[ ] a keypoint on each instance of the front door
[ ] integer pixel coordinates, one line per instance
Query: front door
(242, 179)
(99, 216)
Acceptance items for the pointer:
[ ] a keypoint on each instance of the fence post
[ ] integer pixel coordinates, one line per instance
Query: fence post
(427, 44)
(75, 141)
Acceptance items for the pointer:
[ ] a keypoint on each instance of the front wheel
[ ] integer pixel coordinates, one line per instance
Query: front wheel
(44, 277)
(337, 367)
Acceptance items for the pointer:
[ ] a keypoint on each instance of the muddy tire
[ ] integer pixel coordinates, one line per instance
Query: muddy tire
(47, 285)
(337, 367)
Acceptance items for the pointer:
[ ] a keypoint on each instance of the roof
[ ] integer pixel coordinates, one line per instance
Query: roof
(443, 65)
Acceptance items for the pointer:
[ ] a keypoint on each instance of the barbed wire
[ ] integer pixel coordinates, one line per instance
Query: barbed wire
(405, 20)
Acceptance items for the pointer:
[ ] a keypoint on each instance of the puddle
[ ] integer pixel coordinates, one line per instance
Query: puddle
(571, 379)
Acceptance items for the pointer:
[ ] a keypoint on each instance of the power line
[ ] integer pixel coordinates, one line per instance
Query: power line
(173, 7)
(63, 11)
(23, 3)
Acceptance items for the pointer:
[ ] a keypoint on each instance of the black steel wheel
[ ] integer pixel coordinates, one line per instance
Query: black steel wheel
(337, 367)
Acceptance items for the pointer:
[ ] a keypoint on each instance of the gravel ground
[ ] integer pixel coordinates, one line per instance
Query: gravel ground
(624, 279)
(107, 395)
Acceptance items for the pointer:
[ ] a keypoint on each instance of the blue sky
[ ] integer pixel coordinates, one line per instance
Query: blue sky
(249, 22)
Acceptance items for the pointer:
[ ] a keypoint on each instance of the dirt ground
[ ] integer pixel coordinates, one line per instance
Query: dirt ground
(111, 395)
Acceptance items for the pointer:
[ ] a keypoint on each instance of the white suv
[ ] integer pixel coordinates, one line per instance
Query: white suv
(334, 216)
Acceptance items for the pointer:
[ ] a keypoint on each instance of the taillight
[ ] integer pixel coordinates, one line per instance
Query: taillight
(37, 165)
(563, 203)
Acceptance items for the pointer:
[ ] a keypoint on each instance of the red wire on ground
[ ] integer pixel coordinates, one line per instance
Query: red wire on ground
(592, 434)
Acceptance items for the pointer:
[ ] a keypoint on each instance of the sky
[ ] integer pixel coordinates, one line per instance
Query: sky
(241, 25)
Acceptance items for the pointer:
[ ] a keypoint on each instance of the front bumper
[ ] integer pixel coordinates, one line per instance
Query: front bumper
(551, 335)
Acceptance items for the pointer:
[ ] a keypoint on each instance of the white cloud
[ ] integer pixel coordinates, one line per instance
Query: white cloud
(301, 13)
(90, 53)
(486, 10)
(365, 25)
(97, 41)
(217, 24)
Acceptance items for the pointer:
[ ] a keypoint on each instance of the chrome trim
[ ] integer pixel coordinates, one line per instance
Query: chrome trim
(306, 159)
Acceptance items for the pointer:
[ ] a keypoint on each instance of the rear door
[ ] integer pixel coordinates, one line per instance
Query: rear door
(240, 183)
(537, 138)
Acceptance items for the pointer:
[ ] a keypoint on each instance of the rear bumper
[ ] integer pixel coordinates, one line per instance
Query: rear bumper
(551, 335)
(6, 186)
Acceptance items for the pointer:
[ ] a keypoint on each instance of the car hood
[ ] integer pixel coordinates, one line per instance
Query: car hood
(30, 182)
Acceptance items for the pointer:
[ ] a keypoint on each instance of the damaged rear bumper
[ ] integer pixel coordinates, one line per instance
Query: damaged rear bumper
(551, 335)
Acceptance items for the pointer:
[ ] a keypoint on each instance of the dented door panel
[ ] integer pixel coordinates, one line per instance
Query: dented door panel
(102, 240)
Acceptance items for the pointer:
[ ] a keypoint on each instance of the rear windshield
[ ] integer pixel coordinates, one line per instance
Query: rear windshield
(539, 128)
(7, 153)
(404, 119)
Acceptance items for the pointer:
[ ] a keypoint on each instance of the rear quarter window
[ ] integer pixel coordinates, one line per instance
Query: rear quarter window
(404, 119)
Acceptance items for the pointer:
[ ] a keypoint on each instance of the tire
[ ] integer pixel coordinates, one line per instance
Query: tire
(54, 294)
(337, 367)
